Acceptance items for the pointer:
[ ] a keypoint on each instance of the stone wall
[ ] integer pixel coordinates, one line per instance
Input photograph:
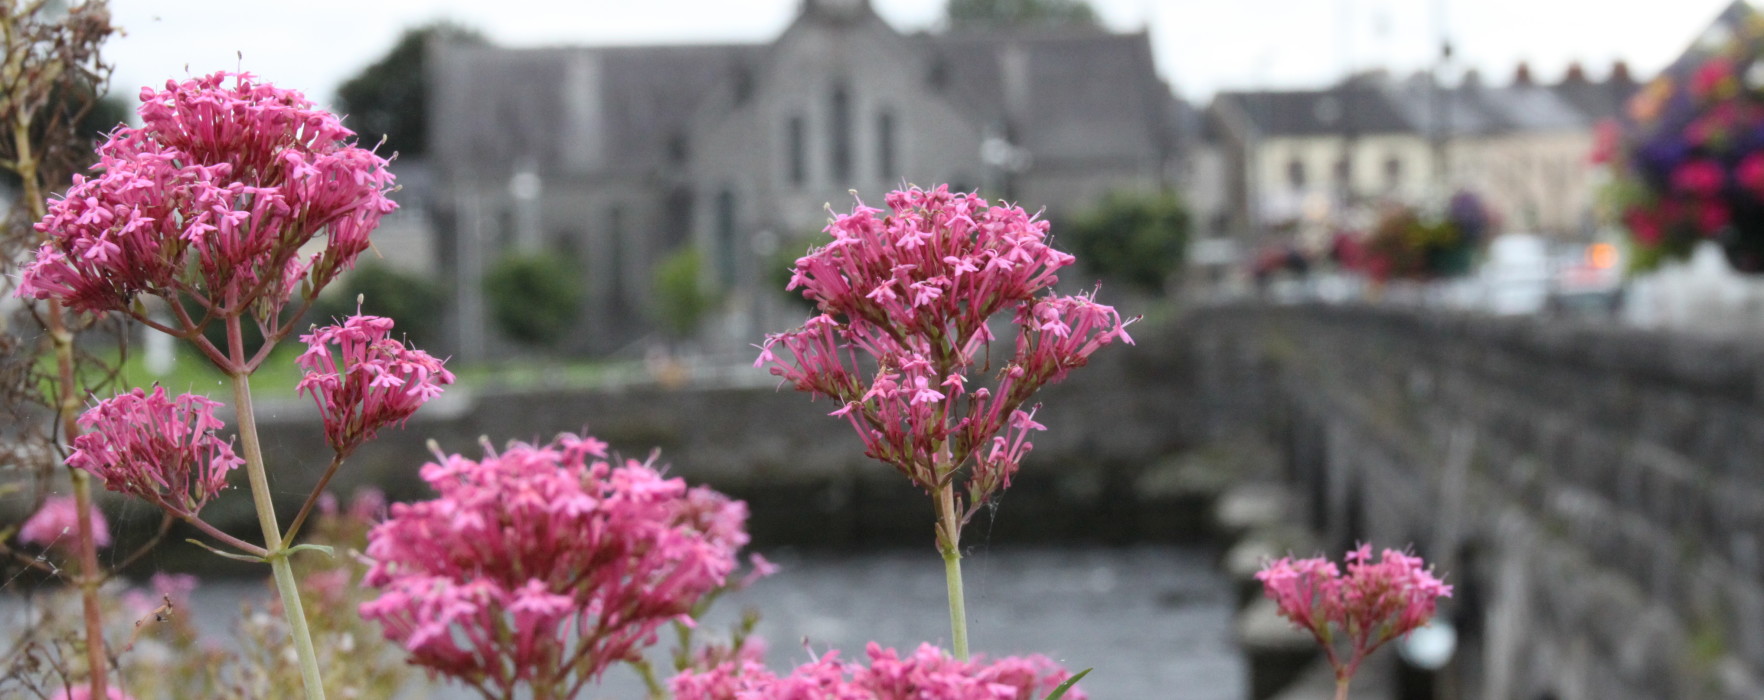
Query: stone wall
(803, 473)
(1592, 492)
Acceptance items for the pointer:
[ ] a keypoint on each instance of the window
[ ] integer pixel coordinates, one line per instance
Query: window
(615, 249)
(839, 135)
(1344, 172)
(1393, 172)
(1295, 173)
(796, 146)
(885, 167)
(726, 237)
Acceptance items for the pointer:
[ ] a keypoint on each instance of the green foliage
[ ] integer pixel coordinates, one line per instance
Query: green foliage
(413, 302)
(534, 299)
(1135, 239)
(389, 99)
(1060, 692)
(682, 297)
(996, 14)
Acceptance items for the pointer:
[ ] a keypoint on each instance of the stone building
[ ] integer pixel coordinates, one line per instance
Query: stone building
(618, 156)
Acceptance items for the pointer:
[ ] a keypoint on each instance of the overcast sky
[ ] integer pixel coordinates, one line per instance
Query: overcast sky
(1202, 46)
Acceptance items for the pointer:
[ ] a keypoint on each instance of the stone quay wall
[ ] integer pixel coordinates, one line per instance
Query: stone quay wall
(803, 473)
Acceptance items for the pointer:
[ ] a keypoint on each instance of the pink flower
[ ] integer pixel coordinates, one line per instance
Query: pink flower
(914, 289)
(82, 692)
(56, 525)
(212, 198)
(159, 449)
(543, 566)
(929, 673)
(1373, 604)
(1699, 178)
(1749, 174)
(363, 380)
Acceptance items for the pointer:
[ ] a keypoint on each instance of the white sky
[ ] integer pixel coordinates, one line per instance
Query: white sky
(1202, 45)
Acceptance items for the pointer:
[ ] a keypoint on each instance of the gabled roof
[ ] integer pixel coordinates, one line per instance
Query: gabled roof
(1064, 94)
(572, 110)
(1360, 110)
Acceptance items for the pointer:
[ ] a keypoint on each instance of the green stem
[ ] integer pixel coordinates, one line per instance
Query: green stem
(272, 533)
(958, 608)
(949, 541)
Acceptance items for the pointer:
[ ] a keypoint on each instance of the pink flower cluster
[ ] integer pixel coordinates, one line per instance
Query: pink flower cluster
(212, 197)
(543, 566)
(1373, 604)
(56, 524)
(929, 674)
(914, 290)
(163, 450)
(363, 380)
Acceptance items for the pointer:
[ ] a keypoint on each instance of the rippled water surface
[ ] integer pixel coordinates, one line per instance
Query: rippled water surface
(1154, 621)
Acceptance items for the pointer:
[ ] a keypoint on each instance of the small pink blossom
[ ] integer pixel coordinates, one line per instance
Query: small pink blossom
(929, 673)
(543, 566)
(156, 448)
(1373, 604)
(363, 380)
(212, 199)
(56, 525)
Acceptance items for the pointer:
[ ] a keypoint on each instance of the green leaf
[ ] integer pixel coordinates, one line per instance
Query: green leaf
(1060, 692)
(229, 555)
(327, 550)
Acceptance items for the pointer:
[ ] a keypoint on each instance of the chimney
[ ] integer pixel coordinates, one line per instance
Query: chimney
(1620, 72)
(1522, 75)
(1576, 74)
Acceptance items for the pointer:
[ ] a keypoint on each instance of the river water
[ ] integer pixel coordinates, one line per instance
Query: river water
(1153, 621)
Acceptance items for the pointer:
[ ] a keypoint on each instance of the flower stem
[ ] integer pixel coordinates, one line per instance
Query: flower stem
(313, 498)
(958, 609)
(949, 542)
(1341, 686)
(272, 533)
(89, 579)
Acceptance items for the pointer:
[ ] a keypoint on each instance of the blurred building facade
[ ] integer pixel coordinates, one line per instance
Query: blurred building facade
(1305, 160)
(618, 156)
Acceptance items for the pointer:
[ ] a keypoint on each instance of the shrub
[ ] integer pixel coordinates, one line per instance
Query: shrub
(1136, 239)
(534, 298)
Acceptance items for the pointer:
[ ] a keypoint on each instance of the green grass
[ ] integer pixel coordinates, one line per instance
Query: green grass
(278, 375)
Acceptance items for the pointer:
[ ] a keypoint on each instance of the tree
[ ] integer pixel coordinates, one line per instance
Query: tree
(681, 296)
(534, 298)
(997, 14)
(389, 99)
(1136, 239)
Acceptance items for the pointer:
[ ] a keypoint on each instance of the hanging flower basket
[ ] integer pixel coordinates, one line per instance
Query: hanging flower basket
(1687, 158)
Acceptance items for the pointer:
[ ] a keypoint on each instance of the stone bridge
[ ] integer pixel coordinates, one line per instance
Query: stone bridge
(1592, 492)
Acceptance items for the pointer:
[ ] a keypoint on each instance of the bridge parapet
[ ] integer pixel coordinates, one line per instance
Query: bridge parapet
(1594, 493)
